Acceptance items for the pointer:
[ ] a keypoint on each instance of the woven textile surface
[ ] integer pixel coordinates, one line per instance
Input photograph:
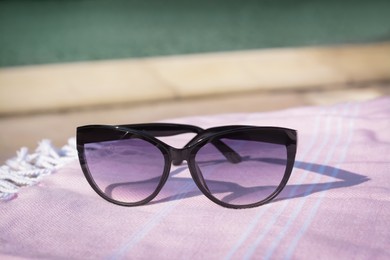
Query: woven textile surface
(336, 204)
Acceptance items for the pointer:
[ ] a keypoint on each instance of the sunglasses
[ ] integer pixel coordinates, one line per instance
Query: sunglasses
(234, 166)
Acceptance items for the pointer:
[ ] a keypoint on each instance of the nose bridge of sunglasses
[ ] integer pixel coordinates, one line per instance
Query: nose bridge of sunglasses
(178, 155)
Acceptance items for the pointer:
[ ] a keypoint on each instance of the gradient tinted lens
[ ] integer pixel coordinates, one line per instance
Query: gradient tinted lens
(125, 170)
(252, 180)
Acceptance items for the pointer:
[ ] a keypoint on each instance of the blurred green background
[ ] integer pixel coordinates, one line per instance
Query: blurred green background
(51, 31)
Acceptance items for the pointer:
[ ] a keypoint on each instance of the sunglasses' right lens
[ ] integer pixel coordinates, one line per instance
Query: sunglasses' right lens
(127, 171)
(250, 181)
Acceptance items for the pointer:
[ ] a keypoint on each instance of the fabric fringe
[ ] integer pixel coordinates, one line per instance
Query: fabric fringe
(28, 169)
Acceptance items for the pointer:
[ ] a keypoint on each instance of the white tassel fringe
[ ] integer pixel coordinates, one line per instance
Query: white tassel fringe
(28, 169)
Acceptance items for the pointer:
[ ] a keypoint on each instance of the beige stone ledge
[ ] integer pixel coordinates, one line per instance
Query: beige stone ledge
(77, 84)
(275, 69)
(63, 86)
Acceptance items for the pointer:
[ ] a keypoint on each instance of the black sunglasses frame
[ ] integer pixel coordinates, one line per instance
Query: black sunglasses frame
(149, 132)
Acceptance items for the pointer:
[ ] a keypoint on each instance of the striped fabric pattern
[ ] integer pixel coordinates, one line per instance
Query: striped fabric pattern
(336, 204)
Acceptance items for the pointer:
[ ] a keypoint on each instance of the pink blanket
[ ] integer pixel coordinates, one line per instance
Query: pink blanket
(335, 206)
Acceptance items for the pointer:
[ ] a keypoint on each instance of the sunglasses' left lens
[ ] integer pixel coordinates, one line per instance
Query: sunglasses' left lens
(127, 170)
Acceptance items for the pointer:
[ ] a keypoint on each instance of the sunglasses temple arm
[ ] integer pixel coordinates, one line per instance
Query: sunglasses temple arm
(168, 129)
(231, 155)
(165, 129)
(228, 152)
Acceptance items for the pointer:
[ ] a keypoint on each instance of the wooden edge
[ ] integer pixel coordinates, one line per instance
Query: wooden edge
(65, 86)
